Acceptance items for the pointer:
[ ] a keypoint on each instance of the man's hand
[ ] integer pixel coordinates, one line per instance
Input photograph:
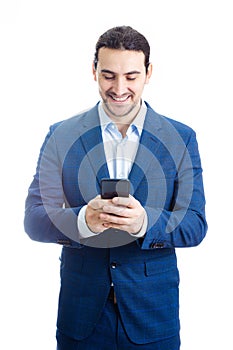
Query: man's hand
(93, 211)
(120, 213)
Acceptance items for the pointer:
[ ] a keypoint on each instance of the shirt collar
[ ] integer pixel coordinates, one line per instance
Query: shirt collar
(137, 123)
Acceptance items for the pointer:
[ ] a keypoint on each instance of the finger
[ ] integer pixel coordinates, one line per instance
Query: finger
(97, 203)
(125, 201)
(116, 210)
(114, 219)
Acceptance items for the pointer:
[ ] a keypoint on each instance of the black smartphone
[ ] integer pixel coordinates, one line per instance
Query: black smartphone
(114, 188)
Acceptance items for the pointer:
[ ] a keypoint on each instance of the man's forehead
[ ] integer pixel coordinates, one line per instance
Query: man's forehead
(128, 60)
(105, 51)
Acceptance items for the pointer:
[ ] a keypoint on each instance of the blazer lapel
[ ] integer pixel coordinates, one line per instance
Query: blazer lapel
(92, 141)
(148, 148)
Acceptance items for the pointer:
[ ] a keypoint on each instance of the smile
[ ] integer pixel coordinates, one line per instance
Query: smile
(120, 99)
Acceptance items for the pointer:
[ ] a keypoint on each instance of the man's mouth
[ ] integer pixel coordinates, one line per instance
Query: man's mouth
(119, 99)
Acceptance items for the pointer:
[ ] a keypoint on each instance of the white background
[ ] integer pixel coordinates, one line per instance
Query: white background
(47, 48)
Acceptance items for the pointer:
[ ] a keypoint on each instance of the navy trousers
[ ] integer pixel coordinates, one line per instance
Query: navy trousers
(109, 334)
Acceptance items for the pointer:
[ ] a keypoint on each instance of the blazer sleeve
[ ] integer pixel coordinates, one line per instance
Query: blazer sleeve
(47, 217)
(184, 224)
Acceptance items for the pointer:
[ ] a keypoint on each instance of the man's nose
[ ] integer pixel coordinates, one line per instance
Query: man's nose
(120, 86)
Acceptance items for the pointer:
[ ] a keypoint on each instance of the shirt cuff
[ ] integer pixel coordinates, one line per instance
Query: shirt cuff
(84, 230)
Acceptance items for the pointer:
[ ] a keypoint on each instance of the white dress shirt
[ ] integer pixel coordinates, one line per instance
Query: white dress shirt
(120, 154)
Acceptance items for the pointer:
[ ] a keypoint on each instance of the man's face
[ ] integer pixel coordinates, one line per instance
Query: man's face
(121, 76)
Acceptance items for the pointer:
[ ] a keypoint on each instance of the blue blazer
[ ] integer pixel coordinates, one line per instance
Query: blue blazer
(166, 178)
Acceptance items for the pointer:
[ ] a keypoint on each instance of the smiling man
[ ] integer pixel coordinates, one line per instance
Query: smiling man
(119, 276)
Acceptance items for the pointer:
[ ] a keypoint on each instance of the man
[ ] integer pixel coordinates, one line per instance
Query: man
(119, 276)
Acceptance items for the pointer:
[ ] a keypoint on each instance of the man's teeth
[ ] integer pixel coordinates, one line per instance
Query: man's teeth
(120, 99)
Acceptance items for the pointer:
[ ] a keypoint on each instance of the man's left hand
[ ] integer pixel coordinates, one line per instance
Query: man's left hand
(124, 213)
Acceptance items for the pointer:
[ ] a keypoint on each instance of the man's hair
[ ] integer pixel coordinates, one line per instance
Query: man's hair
(123, 38)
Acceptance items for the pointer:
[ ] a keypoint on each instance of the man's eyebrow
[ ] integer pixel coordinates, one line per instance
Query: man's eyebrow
(107, 71)
(133, 72)
(128, 73)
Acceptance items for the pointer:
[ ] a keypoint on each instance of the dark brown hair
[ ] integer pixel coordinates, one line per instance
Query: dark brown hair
(123, 38)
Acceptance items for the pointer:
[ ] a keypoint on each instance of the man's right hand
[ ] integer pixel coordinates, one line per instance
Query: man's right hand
(93, 211)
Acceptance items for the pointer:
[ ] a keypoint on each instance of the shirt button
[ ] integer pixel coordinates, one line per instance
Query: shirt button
(113, 265)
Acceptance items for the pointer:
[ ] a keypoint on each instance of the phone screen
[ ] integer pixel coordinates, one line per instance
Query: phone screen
(114, 188)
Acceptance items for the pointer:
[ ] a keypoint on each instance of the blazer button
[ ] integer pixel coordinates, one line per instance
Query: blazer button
(157, 245)
(64, 242)
(113, 265)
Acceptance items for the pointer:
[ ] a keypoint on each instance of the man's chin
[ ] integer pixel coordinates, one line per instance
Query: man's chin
(119, 110)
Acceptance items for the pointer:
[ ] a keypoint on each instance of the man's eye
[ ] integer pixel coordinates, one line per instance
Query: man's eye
(107, 77)
(131, 78)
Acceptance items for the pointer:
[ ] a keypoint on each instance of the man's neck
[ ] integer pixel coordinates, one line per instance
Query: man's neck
(123, 122)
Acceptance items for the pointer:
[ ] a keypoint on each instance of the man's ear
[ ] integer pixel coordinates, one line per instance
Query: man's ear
(94, 71)
(149, 73)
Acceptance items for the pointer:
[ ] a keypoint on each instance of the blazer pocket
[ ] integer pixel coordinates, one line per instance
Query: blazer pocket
(156, 266)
